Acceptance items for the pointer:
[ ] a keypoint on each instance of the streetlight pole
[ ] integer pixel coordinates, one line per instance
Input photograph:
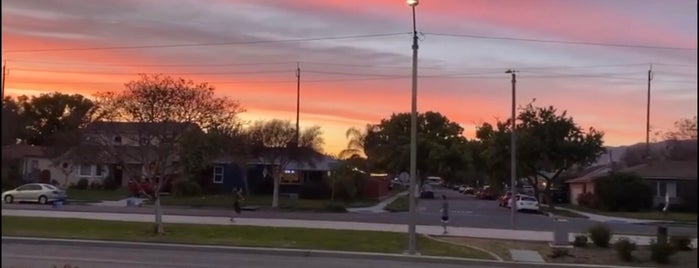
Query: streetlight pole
(513, 151)
(413, 142)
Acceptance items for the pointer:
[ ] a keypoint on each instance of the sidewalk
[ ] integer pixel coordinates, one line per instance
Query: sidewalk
(378, 208)
(602, 218)
(434, 230)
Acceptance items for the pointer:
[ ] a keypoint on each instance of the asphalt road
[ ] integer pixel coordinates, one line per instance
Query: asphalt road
(465, 210)
(29, 255)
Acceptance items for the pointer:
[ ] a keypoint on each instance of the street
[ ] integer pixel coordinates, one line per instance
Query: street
(465, 211)
(30, 255)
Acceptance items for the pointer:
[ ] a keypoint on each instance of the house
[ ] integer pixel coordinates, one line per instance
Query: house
(256, 177)
(586, 182)
(676, 179)
(28, 163)
(119, 151)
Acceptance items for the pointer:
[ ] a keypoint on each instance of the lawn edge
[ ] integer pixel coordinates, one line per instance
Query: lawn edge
(492, 254)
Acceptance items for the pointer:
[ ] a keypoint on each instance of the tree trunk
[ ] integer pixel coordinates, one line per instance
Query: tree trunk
(275, 192)
(158, 228)
(547, 194)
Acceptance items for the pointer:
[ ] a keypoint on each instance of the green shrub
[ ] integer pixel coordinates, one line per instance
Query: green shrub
(588, 200)
(681, 242)
(624, 192)
(580, 241)
(335, 207)
(95, 185)
(187, 188)
(623, 248)
(600, 235)
(661, 252)
(81, 185)
(110, 184)
(559, 253)
(314, 190)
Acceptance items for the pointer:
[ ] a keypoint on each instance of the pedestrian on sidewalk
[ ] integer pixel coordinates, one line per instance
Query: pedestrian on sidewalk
(445, 213)
(237, 198)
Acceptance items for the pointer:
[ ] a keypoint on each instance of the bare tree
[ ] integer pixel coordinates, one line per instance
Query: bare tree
(147, 122)
(275, 143)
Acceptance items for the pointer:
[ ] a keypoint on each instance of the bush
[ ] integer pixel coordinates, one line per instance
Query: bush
(588, 200)
(110, 184)
(335, 207)
(600, 235)
(661, 252)
(580, 241)
(624, 192)
(681, 242)
(95, 186)
(81, 185)
(623, 248)
(559, 252)
(314, 190)
(187, 188)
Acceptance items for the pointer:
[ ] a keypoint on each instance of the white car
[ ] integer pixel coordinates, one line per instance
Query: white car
(525, 202)
(35, 192)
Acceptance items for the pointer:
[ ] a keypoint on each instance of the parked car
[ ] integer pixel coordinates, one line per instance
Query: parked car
(469, 190)
(486, 193)
(35, 192)
(426, 192)
(524, 202)
(148, 187)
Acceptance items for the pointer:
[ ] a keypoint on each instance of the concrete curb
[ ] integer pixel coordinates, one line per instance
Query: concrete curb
(286, 252)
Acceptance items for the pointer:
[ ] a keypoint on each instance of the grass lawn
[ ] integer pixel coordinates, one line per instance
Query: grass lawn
(259, 201)
(646, 215)
(401, 204)
(97, 195)
(251, 236)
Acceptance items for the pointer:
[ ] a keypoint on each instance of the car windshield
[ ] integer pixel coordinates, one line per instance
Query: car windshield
(527, 198)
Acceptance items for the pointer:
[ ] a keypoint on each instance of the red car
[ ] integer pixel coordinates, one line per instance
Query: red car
(147, 186)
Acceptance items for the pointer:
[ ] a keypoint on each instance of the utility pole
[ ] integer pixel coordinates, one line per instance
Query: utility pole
(4, 77)
(298, 102)
(650, 77)
(513, 151)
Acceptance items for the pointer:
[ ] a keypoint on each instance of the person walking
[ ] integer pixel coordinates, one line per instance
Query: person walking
(237, 198)
(445, 213)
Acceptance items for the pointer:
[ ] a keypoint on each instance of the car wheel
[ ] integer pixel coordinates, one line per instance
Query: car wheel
(43, 200)
(9, 199)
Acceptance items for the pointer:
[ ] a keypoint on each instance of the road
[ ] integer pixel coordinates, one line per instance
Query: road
(466, 211)
(29, 255)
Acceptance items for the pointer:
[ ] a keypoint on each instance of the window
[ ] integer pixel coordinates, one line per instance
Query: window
(290, 177)
(98, 171)
(669, 188)
(85, 170)
(218, 174)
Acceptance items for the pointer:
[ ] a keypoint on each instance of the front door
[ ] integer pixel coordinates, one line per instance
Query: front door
(118, 174)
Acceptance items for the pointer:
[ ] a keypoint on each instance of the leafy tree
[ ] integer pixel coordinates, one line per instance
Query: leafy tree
(13, 123)
(548, 143)
(685, 129)
(276, 143)
(53, 119)
(624, 192)
(162, 110)
(441, 148)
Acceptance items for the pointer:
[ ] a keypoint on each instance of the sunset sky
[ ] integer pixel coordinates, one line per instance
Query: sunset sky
(249, 49)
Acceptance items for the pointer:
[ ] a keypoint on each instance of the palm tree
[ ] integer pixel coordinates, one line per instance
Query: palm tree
(355, 146)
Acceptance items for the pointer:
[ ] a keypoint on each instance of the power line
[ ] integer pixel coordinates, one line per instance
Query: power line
(108, 64)
(209, 44)
(134, 73)
(561, 41)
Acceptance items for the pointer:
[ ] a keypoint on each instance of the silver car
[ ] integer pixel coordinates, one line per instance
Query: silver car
(35, 192)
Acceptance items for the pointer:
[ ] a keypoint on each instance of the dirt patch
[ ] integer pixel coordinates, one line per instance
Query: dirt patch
(587, 255)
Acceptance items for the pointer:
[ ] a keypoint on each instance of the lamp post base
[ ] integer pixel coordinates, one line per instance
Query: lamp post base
(416, 253)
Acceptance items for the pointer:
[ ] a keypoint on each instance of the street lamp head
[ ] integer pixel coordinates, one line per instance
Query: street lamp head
(412, 3)
(509, 71)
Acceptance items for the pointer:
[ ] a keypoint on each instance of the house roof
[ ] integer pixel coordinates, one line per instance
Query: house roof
(592, 174)
(95, 154)
(666, 169)
(135, 127)
(18, 151)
